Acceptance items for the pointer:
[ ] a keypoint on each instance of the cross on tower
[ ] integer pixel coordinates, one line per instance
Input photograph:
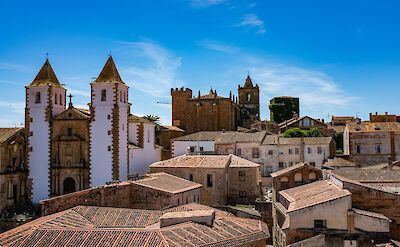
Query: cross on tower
(70, 100)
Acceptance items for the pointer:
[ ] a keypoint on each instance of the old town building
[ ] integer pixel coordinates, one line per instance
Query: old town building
(14, 187)
(212, 112)
(142, 148)
(226, 179)
(306, 123)
(187, 225)
(70, 165)
(163, 138)
(153, 191)
(369, 143)
(69, 149)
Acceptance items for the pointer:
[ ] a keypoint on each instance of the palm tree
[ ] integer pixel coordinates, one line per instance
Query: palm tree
(153, 118)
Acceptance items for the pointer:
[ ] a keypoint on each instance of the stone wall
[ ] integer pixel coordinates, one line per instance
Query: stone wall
(243, 189)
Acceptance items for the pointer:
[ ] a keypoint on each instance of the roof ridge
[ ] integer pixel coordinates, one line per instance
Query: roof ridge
(109, 73)
(46, 75)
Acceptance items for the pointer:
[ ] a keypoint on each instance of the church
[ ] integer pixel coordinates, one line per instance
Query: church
(68, 148)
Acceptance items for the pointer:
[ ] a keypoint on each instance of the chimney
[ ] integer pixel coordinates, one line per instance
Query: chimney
(204, 217)
(390, 163)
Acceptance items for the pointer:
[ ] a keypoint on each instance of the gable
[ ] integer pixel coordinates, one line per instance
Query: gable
(71, 114)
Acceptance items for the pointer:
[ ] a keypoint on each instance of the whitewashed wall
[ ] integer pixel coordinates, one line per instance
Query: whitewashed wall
(123, 133)
(181, 147)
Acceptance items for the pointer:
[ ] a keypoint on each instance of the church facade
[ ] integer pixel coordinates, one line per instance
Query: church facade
(70, 149)
(212, 112)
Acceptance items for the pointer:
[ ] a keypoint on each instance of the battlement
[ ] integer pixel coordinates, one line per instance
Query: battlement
(182, 90)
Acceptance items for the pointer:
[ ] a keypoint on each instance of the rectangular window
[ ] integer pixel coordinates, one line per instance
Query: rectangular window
(290, 151)
(201, 149)
(209, 180)
(109, 132)
(320, 224)
(239, 152)
(69, 132)
(270, 152)
(242, 175)
(280, 164)
(191, 177)
(242, 194)
(255, 152)
(108, 117)
(378, 148)
(309, 150)
(312, 164)
(109, 148)
(319, 149)
(192, 149)
(358, 148)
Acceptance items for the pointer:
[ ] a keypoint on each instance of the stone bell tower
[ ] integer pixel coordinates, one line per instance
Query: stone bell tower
(249, 103)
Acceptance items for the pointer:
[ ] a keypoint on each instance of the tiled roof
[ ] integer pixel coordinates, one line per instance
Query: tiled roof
(98, 226)
(232, 137)
(205, 161)
(396, 166)
(294, 120)
(337, 162)
(137, 119)
(46, 76)
(370, 214)
(373, 127)
(312, 194)
(173, 128)
(7, 133)
(166, 182)
(293, 168)
(109, 73)
(369, 175)
(200, 136)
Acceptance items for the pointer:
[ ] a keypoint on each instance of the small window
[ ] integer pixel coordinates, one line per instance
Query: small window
(284, 180)
(108, 117)
(270, 152)
(358, 148)
(242, 194)
(109, 148)
(124, 97)
(248, 97)
(255, 153)
(61, 101)
(191, 177)
(37, 97)
(201, 149)
(320, 224)
(120, 96)
(239, 152)
(312, 176)
(298, 177)
(194, 198)
(309, 150)
(319, 149)
(290, 151)
(179, 203)
(109, 132)
(192, 149)
(103, 95)
(378, 148)
(69, 132)
(281, 164)
(209, 180)
(312, 164)
(55, 99)
(242, 175)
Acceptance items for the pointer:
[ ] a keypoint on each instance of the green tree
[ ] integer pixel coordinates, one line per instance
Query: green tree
(295, 132)
(314, 132)
(153, 118)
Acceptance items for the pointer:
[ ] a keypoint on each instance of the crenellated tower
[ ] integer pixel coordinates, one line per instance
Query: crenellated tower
(45, 98)
(109, 126)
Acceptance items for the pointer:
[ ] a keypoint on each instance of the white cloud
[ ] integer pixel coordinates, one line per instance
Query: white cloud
(253, 21)
(319, 94)
(150, 68)
(206, 3)
(217, 46)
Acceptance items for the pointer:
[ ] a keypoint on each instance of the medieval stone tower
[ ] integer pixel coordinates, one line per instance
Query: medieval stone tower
(45, 98)
(109, 126)
(249, 103)
(180, 97)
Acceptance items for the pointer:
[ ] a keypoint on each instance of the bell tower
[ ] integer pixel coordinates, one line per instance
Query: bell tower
(45, 98)
(109, 126)
(249, 103)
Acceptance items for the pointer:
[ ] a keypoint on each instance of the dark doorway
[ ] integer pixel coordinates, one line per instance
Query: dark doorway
(15, 194)
(69, 185)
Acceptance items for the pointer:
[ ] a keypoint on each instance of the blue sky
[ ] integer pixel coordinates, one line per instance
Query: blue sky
(340, 57)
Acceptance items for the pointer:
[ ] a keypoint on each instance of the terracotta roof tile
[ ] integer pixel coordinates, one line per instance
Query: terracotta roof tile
(373, 127)
(166, 182)
(109, 73)
(7, 133)
(46, 76)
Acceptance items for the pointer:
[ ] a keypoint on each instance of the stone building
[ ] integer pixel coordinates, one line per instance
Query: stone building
(14, 185)
(143, 150)
(306, 123)
(154, 191)
(212, 112)
(187, 225)
(283, 108)
(226, 179)
(164, 137)
(369, 143)
(70, 140)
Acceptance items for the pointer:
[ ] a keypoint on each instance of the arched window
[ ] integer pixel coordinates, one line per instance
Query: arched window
(37, 97)
(312, 176)
(298, 177)
(55, 99)
(61, 102)
(284, 180)
(103, 95)
(248, 96)
(69, 185)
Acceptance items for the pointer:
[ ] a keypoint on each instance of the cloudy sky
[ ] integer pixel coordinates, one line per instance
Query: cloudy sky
(340, 57)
